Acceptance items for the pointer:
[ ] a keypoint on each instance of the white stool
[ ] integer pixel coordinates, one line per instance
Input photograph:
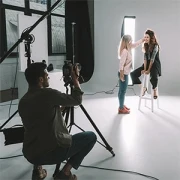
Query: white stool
(145, 83)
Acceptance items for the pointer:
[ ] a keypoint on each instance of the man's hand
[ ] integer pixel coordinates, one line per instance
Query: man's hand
(75, 76)
(74, 72)
(62, 108)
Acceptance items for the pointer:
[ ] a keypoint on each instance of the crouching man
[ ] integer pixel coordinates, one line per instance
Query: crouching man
(46, 138)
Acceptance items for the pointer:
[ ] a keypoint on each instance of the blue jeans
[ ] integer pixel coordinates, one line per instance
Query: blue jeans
(122, 90)
(82, 143)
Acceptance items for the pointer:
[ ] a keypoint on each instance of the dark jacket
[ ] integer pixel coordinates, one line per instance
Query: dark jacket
(154, 56)
(44, 126)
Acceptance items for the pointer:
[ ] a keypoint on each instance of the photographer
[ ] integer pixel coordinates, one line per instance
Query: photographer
(46, 139)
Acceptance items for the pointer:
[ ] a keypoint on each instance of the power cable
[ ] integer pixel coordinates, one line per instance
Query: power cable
(106, 92)
(106, 169)
(12, 94)
(112, 91)
(8, 104)
(119, 170)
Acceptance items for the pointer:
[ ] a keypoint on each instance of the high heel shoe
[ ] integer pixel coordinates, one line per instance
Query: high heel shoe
(155, 94)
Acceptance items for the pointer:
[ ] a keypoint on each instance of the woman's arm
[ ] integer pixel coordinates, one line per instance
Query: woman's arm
(150, 65)
(137, 43)
(122, 75)
(155, 50)
(145, 66)
(123, 58)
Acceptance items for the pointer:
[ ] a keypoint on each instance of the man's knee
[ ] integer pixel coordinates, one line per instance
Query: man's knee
(92, 136)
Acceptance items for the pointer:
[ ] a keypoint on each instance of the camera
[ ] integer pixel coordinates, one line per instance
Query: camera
(67, 69)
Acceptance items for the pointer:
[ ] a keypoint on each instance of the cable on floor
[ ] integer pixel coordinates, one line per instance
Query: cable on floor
(106, 169)
(112, 91)
(119, 170)
(107, 92)
(8, 104)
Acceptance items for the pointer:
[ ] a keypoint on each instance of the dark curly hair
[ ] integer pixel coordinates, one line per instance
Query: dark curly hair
(34, 72)
(153, 41)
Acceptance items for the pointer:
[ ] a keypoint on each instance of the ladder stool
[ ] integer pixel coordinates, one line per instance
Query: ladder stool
(145, 84)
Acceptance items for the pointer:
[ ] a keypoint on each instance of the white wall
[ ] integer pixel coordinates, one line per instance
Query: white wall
(8, 70)
(39, 48)
(160, 15)
(7, 74)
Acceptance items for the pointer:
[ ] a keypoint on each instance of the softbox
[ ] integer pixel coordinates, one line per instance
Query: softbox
(80, 13)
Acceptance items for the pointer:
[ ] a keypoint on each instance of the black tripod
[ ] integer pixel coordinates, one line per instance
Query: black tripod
(70, 110)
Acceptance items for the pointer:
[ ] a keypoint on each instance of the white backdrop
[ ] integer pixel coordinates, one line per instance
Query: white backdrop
(160, 15)
(39, 49)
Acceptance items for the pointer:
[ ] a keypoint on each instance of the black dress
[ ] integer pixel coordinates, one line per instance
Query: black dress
(155, 71)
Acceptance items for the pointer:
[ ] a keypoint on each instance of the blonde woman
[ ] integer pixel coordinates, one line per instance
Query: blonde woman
(125, 66)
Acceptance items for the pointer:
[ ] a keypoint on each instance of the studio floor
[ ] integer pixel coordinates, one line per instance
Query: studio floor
(143, 141)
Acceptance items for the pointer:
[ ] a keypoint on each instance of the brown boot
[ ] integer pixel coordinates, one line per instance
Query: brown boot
(126, 108)
(123, 111)
(39, 173)
(61, 176)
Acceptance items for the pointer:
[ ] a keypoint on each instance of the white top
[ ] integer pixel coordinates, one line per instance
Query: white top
(125, 62)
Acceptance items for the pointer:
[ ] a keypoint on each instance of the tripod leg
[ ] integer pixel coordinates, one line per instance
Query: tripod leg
(108, 147)
(71, 118)
(9, 119)
(56, 170)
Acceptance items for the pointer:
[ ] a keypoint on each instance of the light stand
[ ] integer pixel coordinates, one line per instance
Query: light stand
(73, 42)
(25, 35)
(70, 110)
(29, 40)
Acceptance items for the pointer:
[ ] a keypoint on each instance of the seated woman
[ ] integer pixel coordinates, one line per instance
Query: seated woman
(151, 64)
